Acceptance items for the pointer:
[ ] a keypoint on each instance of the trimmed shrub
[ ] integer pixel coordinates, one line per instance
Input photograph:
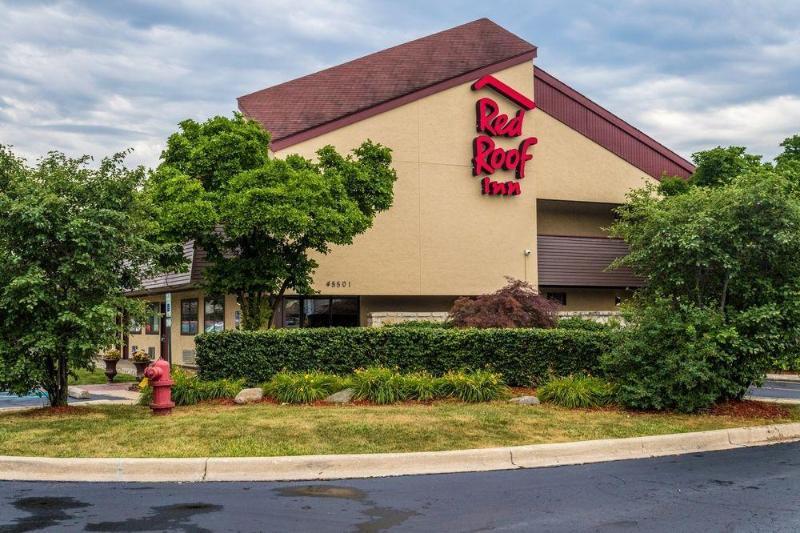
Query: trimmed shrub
(477, 386)
(678, 357)
(302, 387)
(577, 391)
(524, 356)
(190, 389)
(517, 305)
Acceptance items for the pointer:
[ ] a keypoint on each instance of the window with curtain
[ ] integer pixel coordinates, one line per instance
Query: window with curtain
(214, 314)
(152, 325)
(189, 320)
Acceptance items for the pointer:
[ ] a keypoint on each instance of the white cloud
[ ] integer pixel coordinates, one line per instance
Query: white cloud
(758, 125)
(101, 77)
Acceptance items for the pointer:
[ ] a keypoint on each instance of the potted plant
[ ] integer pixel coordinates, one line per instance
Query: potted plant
(140, 360)
(111, 357)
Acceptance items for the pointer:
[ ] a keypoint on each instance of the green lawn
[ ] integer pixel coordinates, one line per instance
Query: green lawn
(269, 430)
(97, 377)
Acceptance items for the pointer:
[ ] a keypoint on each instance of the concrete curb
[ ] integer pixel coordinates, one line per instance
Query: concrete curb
(319, 467)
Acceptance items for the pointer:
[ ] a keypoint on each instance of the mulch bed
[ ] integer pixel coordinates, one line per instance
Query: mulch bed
(750, 409)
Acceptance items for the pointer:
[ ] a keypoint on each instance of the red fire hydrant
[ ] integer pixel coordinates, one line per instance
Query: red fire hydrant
(158, 375)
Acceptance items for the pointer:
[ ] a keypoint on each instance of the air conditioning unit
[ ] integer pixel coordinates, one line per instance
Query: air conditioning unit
(188, 357)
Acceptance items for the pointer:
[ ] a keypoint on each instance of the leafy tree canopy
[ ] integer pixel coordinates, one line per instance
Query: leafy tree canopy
(720, 166)
(259, 219)
(724, 263)
(72, 240)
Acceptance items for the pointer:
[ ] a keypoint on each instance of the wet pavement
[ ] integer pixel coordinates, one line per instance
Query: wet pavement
(747, 489)
(777, 389)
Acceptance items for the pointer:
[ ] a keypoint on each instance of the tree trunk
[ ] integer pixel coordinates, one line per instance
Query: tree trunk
(58, 396)
(274, 301)
(255, 312)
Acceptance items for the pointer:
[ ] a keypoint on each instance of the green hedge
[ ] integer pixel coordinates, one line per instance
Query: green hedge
(522, 356)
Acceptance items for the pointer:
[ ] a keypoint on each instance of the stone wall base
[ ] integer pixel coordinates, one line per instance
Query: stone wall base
(378, 319)
(596, 316)
(396, 317)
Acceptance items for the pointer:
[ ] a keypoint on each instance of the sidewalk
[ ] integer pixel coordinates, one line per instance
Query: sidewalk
(114, 394)
(778, 388)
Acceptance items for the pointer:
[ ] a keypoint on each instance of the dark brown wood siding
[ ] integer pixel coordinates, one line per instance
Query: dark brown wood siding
(582, 262)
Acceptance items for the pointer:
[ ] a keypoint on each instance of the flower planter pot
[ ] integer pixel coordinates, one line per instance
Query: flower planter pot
(111, 369)
(140, 366)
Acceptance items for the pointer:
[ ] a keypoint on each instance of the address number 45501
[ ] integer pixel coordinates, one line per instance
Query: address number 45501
(338, 284)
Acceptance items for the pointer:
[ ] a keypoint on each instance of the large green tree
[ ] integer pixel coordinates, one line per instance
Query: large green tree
(721, 263)
(260, 219)
(73, 238)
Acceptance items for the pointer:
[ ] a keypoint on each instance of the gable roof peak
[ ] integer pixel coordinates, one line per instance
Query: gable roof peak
(396, 75)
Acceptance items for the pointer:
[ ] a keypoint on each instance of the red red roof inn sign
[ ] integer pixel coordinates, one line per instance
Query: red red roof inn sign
(487, 157)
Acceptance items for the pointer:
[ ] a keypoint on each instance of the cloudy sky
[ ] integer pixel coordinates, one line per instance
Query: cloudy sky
(98, 77)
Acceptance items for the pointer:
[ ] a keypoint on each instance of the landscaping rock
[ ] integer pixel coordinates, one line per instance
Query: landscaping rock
(78, 393)
(343, 396)
(525, 400)
(249, 395)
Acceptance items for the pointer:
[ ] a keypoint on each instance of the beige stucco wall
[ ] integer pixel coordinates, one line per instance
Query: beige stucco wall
(587, 299)
(142, 341)
(181, 342)
(570, 166)
(442, 237)
(578, 219)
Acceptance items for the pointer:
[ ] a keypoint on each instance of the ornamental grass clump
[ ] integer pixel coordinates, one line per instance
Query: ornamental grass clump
(380, 385)
(188, 389)
(422, 386)
(302, 387)
(578, 391)
(475, 386)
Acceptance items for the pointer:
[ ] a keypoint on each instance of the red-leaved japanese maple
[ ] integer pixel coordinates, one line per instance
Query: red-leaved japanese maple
(517, 305)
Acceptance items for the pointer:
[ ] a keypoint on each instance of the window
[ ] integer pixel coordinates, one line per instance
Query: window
(152, 325)
(237, 319)
(214, 314)
(189, 319)
(344, 312)
(292, 317)
(316, 312)
(134, 327)
(560, 297)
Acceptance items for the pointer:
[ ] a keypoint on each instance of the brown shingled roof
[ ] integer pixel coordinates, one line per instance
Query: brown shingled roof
(310, 106)
(449, 57)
